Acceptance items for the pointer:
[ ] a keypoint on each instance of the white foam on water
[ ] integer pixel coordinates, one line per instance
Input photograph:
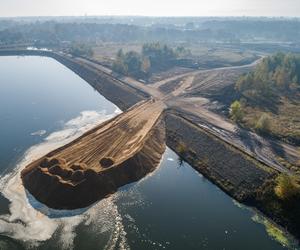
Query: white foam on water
(39, 132)
(33, 223)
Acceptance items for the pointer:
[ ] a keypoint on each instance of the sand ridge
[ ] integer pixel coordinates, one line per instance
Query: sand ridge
(114, 153)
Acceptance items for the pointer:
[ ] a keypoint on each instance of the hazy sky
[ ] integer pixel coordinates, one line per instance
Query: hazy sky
(150, 7)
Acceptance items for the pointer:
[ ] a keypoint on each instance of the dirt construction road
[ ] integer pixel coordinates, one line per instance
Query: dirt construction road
(186, 93)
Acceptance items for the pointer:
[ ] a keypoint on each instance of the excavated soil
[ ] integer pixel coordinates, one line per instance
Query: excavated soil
(89, 168)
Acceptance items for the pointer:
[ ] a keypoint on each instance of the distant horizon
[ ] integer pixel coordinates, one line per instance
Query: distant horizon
(153, 8)
(147, 16)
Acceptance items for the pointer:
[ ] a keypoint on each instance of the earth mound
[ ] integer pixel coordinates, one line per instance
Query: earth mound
(93, 166)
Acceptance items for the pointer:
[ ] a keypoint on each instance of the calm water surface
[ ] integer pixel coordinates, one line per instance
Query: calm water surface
(44, 105)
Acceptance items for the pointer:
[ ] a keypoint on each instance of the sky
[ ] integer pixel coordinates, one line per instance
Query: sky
(150, 7)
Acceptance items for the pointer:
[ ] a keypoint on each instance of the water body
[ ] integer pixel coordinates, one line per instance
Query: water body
(44, 105)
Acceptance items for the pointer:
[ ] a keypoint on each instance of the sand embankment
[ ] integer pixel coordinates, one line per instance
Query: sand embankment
(117, 152)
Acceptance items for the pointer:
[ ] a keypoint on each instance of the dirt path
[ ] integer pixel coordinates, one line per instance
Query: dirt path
(200, 81)
(187, 82)
(154, 92)
(194, 73)
(263, 149)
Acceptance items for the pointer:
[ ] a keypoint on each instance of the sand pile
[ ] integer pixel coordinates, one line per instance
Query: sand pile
(117, 152)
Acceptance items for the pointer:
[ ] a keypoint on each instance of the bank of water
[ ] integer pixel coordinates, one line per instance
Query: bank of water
(44, 105)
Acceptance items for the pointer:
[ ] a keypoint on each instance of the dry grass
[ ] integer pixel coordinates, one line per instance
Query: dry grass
(106, 52)
(285, 123)
(210, 53)
(204, 53)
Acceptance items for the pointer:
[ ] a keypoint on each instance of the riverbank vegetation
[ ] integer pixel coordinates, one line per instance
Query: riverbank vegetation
(279, 198)
(270, 98)
(276, 232)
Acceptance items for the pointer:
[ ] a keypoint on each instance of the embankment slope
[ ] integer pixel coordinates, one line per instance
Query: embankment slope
(117, 152)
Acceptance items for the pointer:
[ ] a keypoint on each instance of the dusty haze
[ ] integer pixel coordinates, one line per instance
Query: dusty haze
(151, 8)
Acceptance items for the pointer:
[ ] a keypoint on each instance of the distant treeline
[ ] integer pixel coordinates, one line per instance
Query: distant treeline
(274, 30)
(56, 32)
(154, 57)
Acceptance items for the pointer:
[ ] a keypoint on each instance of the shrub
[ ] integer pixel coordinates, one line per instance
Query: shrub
(287, 187)
(181, 148)
(236, 112)
(264, 123)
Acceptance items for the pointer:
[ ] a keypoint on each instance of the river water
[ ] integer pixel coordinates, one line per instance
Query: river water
(44, 105)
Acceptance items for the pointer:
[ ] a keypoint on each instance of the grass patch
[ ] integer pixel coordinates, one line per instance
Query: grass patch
(283, 124)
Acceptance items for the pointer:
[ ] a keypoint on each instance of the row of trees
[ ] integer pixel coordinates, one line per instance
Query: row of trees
(132, 63)
(275, 75)
(153, 57)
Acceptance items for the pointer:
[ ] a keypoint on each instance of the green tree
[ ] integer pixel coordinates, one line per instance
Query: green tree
(146, 65)
(159, 55)
(263, 124)
(133, 62)
(154, 56)
(119, 64)
(236, 111)
(287, 187)
(281, 77)
(273, 77)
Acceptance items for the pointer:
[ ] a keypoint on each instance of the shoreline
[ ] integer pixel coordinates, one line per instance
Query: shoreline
(178, 133)
(99, 80)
